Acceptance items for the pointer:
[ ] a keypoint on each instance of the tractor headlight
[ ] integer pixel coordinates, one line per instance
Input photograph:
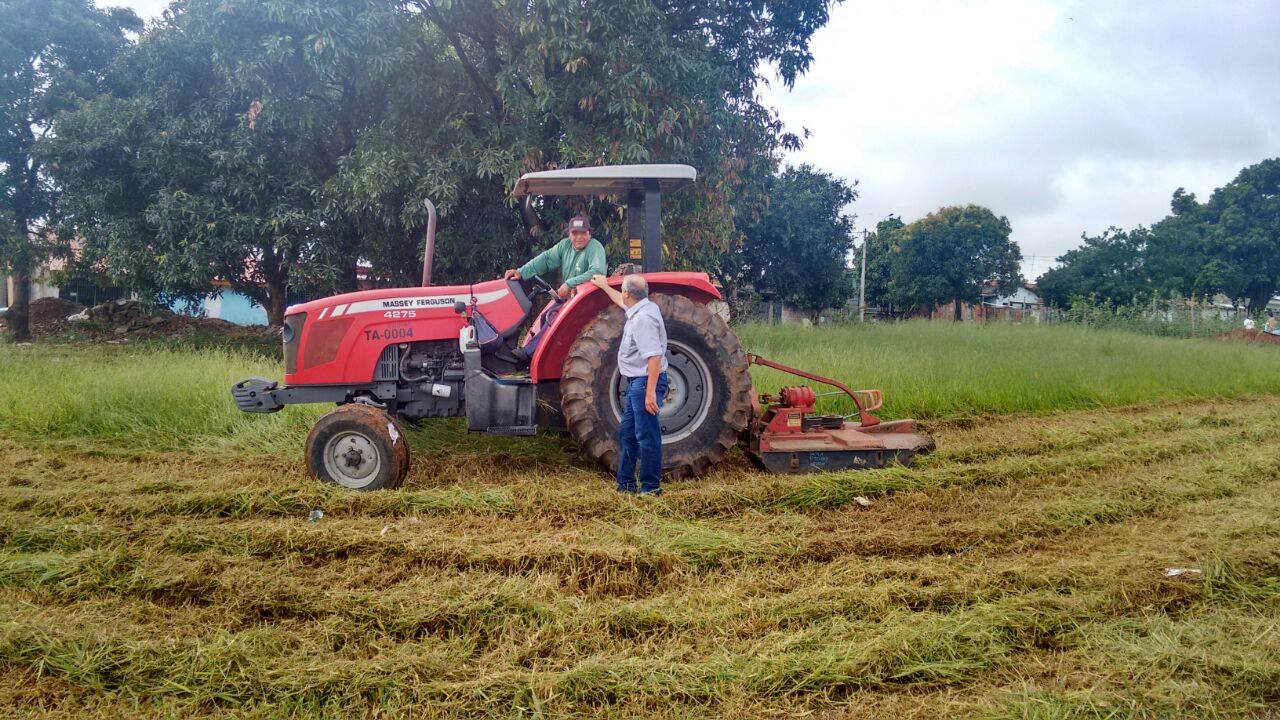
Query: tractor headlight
(291, 333)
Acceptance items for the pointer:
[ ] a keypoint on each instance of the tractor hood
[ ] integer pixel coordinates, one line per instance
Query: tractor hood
(414, 298)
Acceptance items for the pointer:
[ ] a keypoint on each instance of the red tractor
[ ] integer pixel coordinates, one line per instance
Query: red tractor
(434, 352)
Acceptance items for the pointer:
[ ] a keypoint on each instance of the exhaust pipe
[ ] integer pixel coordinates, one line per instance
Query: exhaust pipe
(429, 249)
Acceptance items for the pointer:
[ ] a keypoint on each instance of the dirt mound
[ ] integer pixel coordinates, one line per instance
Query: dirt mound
(1257, 337)
(49, 314)
(122, 321)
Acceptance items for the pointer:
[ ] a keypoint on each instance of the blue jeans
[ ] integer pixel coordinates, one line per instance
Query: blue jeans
(640, 435)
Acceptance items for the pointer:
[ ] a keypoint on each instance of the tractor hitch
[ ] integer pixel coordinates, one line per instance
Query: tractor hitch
(256, 395)
(786, 435)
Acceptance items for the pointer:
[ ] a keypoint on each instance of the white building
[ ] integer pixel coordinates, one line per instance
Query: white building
(1024, 297)
(41, 287)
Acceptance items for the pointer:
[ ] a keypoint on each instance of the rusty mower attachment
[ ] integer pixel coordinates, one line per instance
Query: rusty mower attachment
(787, 436)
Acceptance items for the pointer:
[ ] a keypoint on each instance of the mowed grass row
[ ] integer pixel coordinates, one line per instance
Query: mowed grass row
(179, 399)
(1019, 572)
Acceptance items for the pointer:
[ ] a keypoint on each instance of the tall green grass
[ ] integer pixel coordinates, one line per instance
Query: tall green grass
(164, 399)
(157, 399)
(934, 369)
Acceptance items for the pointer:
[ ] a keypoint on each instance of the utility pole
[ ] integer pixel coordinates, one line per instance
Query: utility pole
(862, 284)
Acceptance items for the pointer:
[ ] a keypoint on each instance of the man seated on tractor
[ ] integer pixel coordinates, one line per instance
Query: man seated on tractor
(578, 257)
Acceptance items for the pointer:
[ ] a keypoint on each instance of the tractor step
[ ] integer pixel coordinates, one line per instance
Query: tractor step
(255, 395)
(513, 430)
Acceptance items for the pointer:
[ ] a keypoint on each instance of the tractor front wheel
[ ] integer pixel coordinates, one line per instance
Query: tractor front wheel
(707, 405)
(358, 447)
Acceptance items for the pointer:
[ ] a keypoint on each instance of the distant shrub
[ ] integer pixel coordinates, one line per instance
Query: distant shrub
(1170, 317)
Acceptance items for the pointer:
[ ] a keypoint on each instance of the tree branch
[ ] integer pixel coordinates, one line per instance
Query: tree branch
(467, 65)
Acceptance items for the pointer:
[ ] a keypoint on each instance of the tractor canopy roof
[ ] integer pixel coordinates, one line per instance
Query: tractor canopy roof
(604, 179)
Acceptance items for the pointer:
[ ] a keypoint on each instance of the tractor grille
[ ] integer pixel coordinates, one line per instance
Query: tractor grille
(324, 338)
(388, 365)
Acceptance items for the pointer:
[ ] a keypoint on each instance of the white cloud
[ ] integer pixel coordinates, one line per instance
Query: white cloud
(1064, 116)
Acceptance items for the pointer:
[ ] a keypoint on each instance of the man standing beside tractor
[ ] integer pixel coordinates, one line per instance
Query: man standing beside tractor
(578, 257)
(642, 363)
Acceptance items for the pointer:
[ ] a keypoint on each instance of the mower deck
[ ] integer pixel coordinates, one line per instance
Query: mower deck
(787, 436)
(849, 447)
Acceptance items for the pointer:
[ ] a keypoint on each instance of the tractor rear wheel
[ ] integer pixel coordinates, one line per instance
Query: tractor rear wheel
(358, 447)
(706, 407)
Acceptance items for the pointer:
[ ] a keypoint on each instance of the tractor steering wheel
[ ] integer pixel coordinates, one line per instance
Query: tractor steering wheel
(541, 286)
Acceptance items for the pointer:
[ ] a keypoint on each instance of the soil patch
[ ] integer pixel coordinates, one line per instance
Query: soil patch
(1249, 336)
(48, 315)
(124, 321)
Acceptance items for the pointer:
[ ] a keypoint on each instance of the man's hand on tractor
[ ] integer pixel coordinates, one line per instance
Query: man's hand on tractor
(512, 274)
(602, 282)
(564, 291)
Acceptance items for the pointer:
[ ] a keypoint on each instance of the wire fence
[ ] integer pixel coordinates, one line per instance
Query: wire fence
(1170, 317)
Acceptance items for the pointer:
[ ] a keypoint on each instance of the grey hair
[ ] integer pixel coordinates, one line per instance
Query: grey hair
(636, 285)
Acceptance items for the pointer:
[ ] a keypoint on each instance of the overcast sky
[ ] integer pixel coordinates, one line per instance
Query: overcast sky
(1065, 116)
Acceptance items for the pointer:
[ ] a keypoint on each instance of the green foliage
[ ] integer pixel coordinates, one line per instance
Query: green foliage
(1174, 254)
(1229, 245)
(949, 256)
(1107, 267)
(881, 245)
(211, 158)
(52, 54)
(562, 84)
(798, 250)
(1243, 240)
(273, 144)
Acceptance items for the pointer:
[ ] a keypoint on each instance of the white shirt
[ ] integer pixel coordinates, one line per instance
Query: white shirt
(644, 336)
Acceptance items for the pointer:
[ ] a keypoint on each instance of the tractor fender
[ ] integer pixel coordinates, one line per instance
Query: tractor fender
(590, 301)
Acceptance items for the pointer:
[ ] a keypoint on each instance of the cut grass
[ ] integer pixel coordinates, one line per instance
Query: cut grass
(166, 569)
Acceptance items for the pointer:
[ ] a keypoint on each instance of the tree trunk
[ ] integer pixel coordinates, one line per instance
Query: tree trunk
(533, 229)
(728, 289)
(1258, 300)
(19, 304)
(349, 280)
(277, 301)
(351, 238)
(959, 313)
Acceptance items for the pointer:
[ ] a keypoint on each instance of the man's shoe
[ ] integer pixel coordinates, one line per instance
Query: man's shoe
(651, 493)
(628, 491)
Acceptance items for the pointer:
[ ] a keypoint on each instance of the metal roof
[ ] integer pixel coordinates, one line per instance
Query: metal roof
(604, 179)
